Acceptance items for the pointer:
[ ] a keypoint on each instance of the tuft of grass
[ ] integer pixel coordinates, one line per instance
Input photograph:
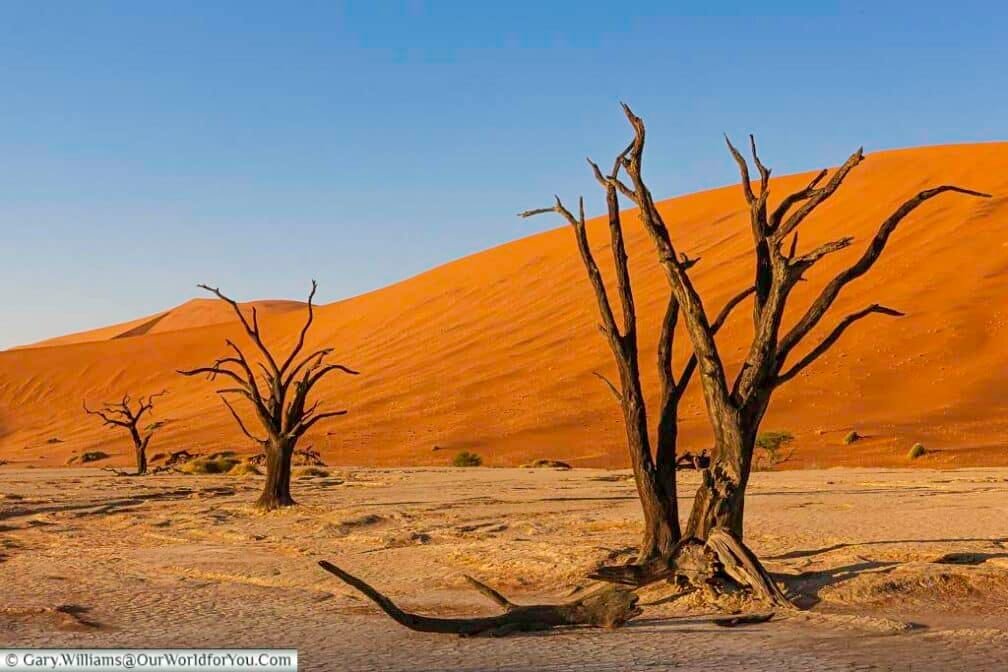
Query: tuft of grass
(308, 472)
(851, 438)
(209, 465)
(467, 459)
(917, 451)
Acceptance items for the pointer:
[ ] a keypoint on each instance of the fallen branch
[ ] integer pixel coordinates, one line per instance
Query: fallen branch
(607, 608)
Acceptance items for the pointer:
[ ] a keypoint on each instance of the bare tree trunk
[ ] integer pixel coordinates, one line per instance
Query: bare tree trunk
(141, 459)
(276, 489)
(720, 499)
(661, 515)
(665, 464)
(140, 450)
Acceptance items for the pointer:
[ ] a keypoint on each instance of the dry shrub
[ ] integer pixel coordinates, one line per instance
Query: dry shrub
(467, 459)
(546, 464)
(209, 465)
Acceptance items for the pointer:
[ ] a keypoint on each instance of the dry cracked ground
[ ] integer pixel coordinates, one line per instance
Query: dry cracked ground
(901, 570)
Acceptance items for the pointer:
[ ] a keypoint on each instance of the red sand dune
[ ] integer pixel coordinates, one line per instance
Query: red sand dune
(192, 313)
(495, 352)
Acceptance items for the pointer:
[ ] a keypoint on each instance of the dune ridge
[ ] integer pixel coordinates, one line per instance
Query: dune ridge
(495, 352)
(193, 313)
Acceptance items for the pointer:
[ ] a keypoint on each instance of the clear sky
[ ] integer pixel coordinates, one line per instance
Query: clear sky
(148, 146)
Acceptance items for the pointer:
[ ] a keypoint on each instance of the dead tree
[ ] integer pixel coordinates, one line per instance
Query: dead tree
(737, 408)
(278, 395)
(123, 414)
(655, 474)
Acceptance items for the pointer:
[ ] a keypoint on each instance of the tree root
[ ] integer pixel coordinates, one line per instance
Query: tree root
(609, 607)
(722, 564)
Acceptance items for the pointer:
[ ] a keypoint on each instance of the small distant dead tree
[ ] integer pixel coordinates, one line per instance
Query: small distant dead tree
(278, 395)
(124, 414)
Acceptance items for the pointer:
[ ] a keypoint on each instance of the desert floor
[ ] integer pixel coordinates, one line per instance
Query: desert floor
(905, 570)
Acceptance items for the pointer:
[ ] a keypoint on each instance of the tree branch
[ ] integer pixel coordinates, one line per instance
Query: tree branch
(874, 250)
(612, 388)
(241, 424)
(304, 329)
(832, 338)
(722, 317)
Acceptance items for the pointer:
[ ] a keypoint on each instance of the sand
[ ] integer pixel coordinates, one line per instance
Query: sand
(495, 352)
(903, 569)
(191, 314)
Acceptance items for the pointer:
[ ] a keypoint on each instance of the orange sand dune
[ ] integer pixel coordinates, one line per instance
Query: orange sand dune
(495, 352)
(192, 313)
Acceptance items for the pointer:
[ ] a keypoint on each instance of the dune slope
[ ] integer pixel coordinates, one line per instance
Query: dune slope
(495, 352)
(192, 313)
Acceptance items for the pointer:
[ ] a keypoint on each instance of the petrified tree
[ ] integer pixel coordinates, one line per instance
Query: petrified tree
(123, 414)
(655, 475)
(736, 409)
(278, 395)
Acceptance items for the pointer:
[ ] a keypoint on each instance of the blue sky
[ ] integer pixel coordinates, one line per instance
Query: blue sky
(148, 146)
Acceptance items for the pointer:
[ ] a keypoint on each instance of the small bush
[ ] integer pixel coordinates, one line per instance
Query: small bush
(851, 438)
(773, 440)
(771, 449)
(209, 465)
(467, 459)
(93, 456)
(917, 451)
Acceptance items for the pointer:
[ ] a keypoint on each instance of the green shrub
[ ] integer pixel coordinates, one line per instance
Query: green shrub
(917, 451)
(467, 459)
(93, 456)
(773, 440)
(770, 447)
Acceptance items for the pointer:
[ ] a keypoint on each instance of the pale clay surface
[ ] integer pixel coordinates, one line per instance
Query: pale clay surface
(185, 561)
